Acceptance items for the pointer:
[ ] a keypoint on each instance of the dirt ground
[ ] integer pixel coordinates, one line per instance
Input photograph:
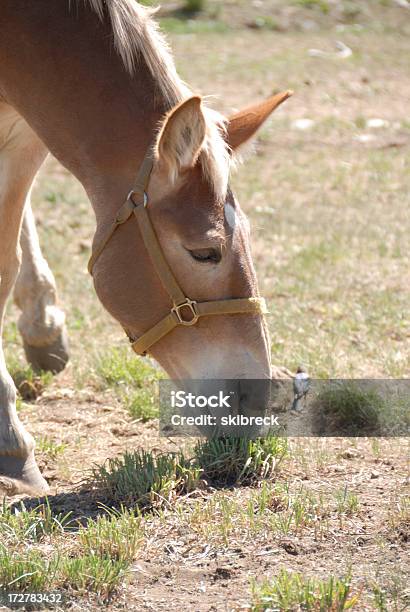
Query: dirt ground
(179, 568)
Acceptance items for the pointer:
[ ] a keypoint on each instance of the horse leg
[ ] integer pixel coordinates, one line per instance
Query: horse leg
(42, 322)
(21, 154)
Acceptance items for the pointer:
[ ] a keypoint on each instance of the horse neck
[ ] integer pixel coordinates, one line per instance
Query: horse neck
(92, 115)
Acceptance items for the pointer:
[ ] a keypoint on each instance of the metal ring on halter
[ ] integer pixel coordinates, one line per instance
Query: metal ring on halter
(191, 306)
(145, 196)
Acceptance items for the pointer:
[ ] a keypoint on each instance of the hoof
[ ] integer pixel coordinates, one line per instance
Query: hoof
(19, 475)
(50, 358)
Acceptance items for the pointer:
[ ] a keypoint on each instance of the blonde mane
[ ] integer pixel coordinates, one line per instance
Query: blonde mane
(137, 35)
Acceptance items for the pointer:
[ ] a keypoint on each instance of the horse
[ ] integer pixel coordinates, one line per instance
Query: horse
(94, 83)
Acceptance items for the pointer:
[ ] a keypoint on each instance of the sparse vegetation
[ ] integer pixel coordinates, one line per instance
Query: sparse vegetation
(26, 571)
(273, 511)
(380, 598)
(347, 502)
(32, 571)
(148, 480)
(116, 535)
(355, 408)
(399, 518)
(29, 384)
(20, 524)
(97, 561)
(228, 461)
(291, 591)
(144, 479)
(133, 379)
(351, 410)
(51, 448)
(92, 573)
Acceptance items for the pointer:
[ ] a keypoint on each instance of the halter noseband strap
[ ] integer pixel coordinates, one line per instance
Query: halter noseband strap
(184, 311)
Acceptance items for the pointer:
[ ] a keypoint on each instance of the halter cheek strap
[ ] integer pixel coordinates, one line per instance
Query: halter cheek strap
(184, 311)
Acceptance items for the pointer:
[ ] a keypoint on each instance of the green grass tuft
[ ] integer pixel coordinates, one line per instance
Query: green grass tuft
(290, 591)
(26, 571)
(32, 571)
(144, 479)
(149, 480)
(227, 461)
(347, 502)
(53, 449)
(117, 535)
(92, 573)
(350, 409)
(379, 598)
(97, 560)
(18, 525)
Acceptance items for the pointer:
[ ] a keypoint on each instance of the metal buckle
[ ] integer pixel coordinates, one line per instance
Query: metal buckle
(145, 198)
(191, 305)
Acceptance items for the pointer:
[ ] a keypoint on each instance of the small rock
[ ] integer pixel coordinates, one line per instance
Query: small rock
(374, 474)
(222, 573)
(343, 50)
(350, 453)
(290, 547)
(365, 137)
(302, 124)
(376, 123)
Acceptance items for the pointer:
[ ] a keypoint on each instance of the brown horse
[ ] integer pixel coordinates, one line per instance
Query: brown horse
(93, 82)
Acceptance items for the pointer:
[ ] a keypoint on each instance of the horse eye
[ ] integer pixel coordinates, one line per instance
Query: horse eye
(207, 255)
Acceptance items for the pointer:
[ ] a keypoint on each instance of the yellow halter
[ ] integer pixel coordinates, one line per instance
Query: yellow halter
(184, 311)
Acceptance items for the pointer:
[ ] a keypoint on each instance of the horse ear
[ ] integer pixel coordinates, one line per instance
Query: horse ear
(181, 136)
(244, 124)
